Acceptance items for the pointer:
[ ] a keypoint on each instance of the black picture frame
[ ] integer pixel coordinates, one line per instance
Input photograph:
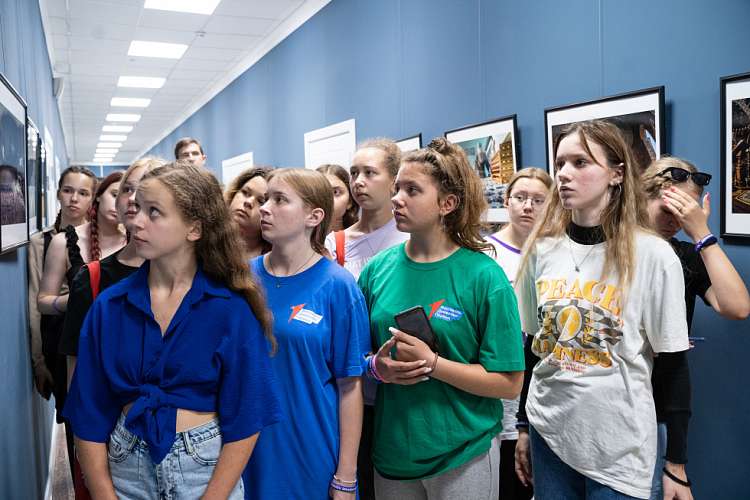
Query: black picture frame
(643, 109)
(411, 143)
(33, 182)
(505, 153)
(14, 220)
(735, 157)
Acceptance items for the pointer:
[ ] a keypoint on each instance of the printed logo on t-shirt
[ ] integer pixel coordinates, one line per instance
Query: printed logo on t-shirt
(580, 323)
(446, 313)
(299, 313)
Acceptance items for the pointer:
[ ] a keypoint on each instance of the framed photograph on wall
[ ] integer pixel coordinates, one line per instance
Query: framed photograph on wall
(639, 115)
(492, 148)
(33, 181)
(14, 228)
(735, 156)
(410, 143)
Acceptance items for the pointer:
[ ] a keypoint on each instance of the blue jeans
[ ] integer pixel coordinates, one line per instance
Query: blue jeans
(555, 480)
(657, 486)
(184, 472)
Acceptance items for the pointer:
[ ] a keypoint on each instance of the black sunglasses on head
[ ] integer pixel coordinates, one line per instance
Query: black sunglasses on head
(681, 175)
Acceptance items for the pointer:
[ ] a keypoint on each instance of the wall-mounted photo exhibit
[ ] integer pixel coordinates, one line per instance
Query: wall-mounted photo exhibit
(639, 115)
(44, 218)
(14, 230)
(334, 144)
(50, 180)
(33, 181)
(735, 156)
(410, 143)
(492, 148)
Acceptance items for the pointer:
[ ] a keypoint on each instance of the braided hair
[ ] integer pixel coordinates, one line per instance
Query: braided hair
(73, 169)
(94, 211)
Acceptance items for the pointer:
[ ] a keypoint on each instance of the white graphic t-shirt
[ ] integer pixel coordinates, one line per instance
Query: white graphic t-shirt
(509, 259)
(590, 396)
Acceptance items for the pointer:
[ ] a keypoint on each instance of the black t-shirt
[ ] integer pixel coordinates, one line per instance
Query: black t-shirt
(697, 281)
(80, 299)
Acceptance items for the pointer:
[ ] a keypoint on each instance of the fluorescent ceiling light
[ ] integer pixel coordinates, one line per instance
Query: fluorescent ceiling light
(117, 128)
(130, 102)
(205, 7)
(141, 48)
(109, 145)
(141, 82)
(122, 117)
(105, 137)
(106, 151)
(104, 158)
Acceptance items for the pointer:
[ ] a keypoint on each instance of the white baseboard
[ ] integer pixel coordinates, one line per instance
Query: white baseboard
(51, 458)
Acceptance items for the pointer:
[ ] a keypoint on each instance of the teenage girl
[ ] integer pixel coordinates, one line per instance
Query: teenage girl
(345, 209)
(526, 193)
(601, 295)
(173, 382)
(109, 270)
(320, 321)
(373, 172)
(244, 196)
(94, 240)
(75, 190)
(674, 187)
(438, 411)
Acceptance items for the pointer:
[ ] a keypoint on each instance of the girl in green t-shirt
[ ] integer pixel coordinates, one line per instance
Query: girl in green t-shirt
(438, 411)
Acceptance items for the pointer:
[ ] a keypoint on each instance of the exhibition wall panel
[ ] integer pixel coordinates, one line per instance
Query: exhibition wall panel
(27, 419)
(405, 66)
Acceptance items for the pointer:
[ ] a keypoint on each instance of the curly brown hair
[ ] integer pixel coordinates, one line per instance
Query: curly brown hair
(448, 165)
(197, 195)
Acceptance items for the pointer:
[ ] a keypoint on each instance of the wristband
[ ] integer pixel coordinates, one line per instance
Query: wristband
(54, 305)
(374, 371)
(686, 483)
(706, 241)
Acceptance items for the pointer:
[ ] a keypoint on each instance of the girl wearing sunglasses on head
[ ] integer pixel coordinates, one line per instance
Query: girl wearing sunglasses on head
(674, 188)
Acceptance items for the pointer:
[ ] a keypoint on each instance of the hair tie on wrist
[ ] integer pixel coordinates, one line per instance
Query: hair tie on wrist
(686, 483)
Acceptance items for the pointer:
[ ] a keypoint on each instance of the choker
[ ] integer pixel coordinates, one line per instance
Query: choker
(585, 235)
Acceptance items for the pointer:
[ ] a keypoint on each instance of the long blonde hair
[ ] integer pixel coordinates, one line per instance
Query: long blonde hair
(625, 213)
(448, 165)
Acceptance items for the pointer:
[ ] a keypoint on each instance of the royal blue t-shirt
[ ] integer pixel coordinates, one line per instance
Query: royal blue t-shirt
(321, 324)
(213, 358)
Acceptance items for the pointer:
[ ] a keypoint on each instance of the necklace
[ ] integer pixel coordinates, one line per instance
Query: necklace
(276, 278)
(578, 265)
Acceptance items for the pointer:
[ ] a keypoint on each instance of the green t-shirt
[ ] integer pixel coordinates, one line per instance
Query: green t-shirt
(425, 429)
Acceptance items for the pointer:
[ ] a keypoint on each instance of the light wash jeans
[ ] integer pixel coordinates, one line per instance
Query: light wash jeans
(183, 474)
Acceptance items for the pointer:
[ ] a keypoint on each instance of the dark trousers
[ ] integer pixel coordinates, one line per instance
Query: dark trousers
(511, 488)
(365, 470)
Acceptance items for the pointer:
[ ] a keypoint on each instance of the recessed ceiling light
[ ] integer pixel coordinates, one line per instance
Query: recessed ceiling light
(140, 48)
(122, 117)
(205, 7)
(141, 82)
(117, 128)
(109, 145)
(105, 137)
(106, 151)
(130, 102)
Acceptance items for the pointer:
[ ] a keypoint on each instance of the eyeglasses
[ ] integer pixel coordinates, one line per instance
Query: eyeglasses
(521, 199)
(681, 175)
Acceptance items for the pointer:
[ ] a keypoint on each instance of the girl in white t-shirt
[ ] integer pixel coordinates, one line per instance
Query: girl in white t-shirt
(527, 192)
(600, 294)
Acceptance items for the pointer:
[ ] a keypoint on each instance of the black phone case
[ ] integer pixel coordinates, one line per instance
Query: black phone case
(414, 322)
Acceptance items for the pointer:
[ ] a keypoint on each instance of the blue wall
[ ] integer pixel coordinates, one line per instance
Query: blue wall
(26, 418)
(402, 67)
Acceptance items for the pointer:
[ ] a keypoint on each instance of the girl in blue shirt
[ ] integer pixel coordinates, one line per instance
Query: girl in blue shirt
(173, 381)
(320, 321)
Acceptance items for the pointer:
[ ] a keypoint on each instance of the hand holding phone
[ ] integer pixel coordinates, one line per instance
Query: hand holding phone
(414, 322)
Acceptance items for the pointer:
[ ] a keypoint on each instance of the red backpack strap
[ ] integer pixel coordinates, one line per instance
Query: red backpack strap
(94, 268)
(340, 239)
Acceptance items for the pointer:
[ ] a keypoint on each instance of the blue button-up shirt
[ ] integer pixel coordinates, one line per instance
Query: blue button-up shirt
(212, 358)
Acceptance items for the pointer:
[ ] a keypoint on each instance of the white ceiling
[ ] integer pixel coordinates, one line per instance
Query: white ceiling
(88, 42)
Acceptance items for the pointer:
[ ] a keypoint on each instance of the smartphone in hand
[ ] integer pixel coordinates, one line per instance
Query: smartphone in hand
(414, 322)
